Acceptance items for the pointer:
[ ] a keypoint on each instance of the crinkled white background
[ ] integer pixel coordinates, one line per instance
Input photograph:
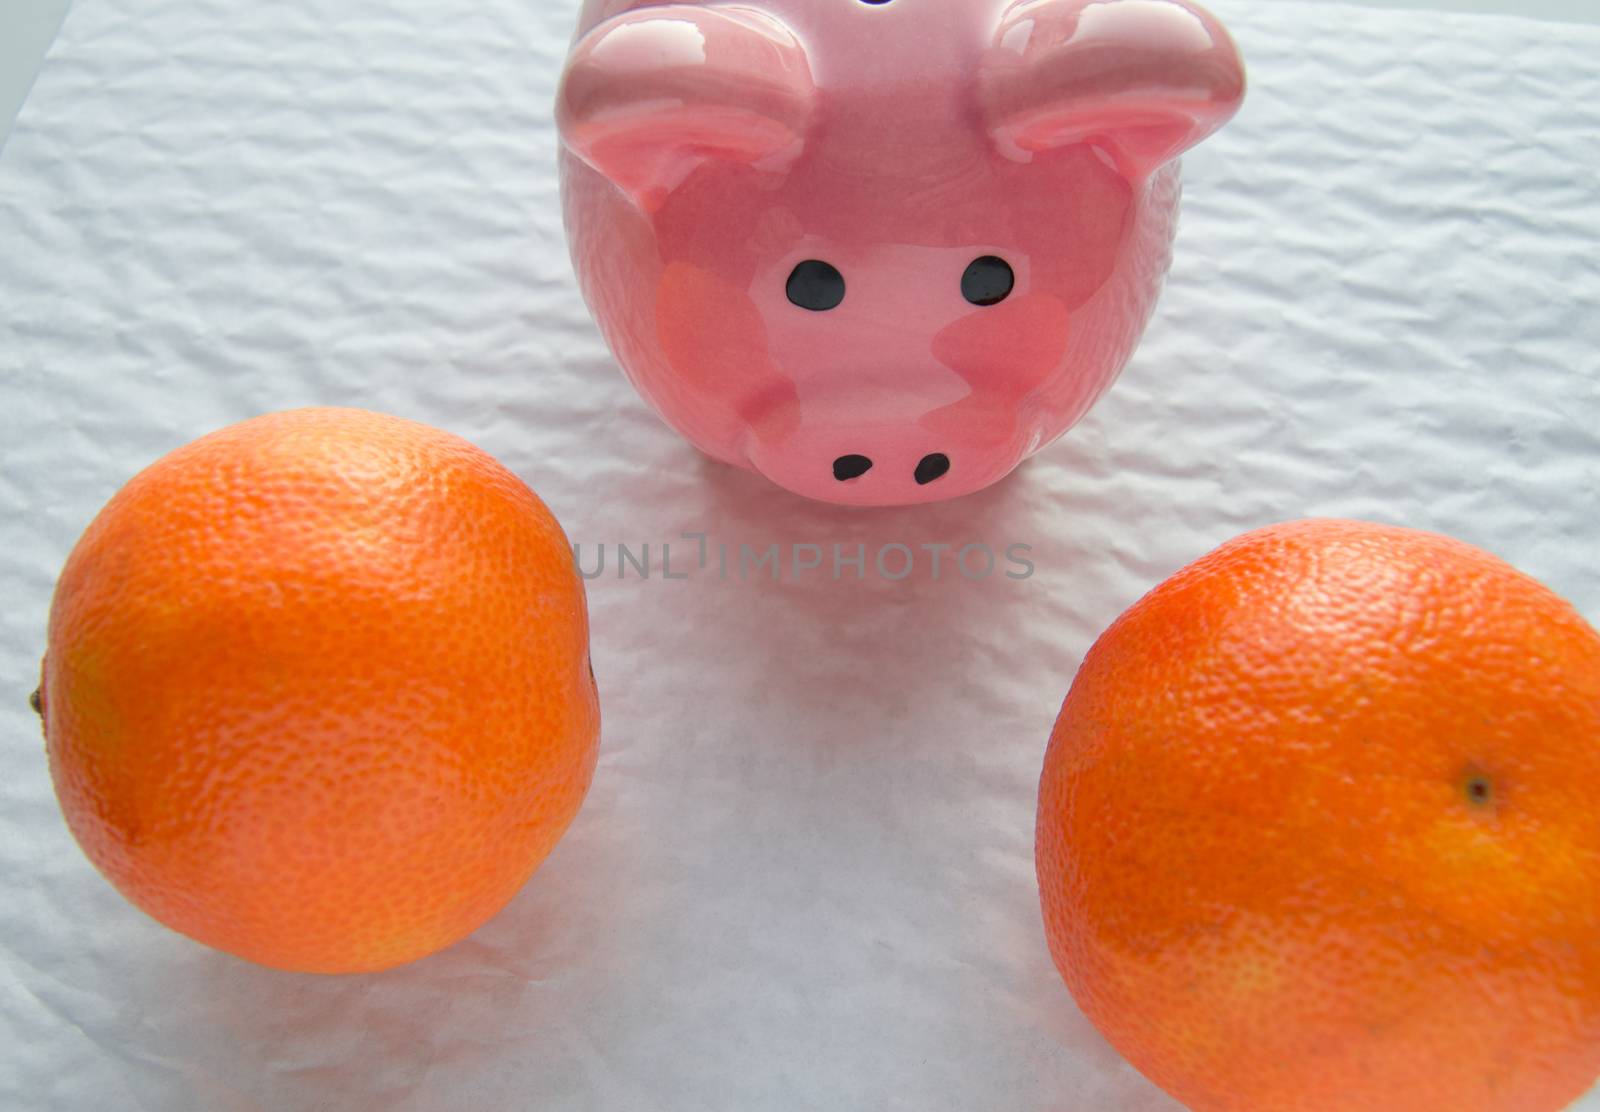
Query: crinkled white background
(803, 879)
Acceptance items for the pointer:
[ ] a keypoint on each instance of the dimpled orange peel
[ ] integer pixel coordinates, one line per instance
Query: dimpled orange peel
(1317, 830)
(317, 689)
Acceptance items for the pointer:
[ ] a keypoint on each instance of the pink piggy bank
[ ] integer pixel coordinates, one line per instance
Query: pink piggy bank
(881, 251)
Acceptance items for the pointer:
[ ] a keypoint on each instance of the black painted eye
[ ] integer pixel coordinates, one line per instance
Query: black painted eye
(817, 286)
(988, 281)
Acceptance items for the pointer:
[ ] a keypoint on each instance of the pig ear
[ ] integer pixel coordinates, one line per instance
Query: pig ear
(1144, 79)
(649, 95)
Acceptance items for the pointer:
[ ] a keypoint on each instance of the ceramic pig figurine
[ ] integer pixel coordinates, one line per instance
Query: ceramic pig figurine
(881, 251)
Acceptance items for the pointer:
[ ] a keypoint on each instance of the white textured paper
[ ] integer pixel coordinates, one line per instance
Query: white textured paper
(804, 878)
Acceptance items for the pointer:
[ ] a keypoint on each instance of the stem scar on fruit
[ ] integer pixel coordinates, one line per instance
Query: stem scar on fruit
(36, 703)
(1479, 789)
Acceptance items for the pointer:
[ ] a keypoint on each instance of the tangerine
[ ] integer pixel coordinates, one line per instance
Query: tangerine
(1317, 829)
(317, 691)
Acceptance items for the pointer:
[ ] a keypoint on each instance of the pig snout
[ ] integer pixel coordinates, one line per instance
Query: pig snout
(890, 462)
(897, 465)
(930, 468)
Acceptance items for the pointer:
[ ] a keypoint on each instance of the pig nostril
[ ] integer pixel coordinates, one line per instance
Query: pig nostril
(988, 281)
(846, 468)
(932, 468)
(816, 285)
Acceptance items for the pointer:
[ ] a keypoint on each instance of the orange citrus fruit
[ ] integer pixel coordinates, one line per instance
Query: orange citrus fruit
(317, 689)
(1317, 830)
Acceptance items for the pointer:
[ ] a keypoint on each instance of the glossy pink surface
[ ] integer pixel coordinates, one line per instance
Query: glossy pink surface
(711, 149)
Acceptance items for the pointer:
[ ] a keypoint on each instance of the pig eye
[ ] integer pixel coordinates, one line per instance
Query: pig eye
(988, 281)
(817, 286)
